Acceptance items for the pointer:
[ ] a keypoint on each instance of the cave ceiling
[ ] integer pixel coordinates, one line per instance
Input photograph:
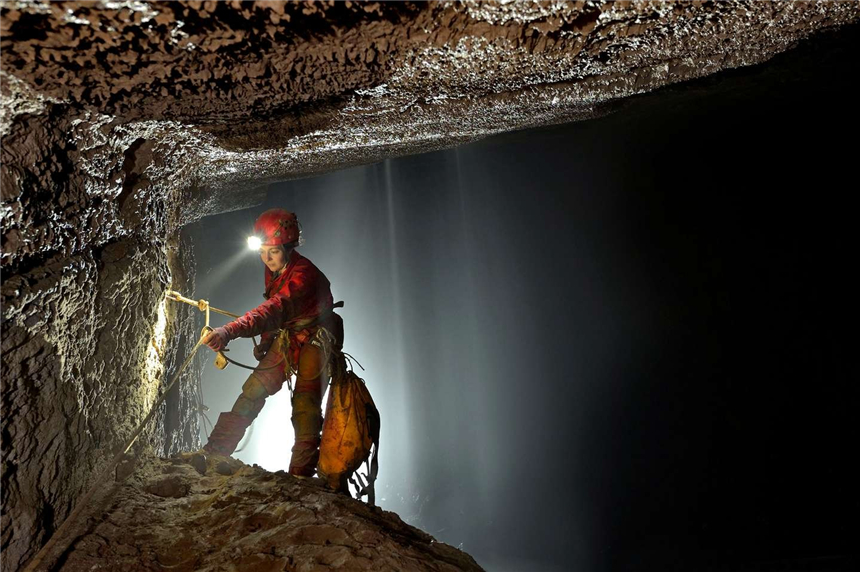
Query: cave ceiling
(113, 111)
(123, 121)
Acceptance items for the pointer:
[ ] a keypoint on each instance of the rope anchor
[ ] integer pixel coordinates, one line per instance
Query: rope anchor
(221, 360)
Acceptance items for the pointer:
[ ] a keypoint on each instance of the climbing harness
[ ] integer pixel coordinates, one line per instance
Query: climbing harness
(291, 327)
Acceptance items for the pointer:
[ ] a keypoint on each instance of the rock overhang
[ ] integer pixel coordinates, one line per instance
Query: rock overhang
(204, 101)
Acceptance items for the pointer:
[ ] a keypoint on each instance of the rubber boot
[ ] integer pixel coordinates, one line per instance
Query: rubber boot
(227, 433)
(307, 423)
(231, 426)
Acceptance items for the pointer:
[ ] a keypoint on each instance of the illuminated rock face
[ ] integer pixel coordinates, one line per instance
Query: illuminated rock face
(87, 343)
(123, 121)
(167, 514)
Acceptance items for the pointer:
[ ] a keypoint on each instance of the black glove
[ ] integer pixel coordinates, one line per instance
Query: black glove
(261, 350)
(217, 339)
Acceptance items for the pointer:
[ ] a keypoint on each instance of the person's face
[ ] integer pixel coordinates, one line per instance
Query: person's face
(273, 257)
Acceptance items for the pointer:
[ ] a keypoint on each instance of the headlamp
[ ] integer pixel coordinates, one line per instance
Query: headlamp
(254, 242)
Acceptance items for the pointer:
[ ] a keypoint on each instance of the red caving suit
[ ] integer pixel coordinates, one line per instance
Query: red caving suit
(295, 299)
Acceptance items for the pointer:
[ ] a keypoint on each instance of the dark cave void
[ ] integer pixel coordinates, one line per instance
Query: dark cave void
(618, 344)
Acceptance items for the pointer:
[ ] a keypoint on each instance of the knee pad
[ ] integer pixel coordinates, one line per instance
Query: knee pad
(254, 389)
(248, 408)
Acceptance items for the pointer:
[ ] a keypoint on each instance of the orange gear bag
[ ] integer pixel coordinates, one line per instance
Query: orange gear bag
(350, 430)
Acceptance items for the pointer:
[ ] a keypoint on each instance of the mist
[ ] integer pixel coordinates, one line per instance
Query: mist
(611, 345)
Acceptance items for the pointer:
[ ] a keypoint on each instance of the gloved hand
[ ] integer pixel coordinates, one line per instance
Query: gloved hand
(217, 339)
(261, 350)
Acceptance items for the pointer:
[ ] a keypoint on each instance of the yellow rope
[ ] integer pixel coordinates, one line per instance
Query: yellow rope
(203, 306)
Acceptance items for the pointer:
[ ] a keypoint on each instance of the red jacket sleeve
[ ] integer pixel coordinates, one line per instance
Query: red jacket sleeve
(283, 306)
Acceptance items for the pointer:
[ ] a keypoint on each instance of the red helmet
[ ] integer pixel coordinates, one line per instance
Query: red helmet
(278, 226)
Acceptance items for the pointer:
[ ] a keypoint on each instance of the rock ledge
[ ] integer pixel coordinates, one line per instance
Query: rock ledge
(167, 515)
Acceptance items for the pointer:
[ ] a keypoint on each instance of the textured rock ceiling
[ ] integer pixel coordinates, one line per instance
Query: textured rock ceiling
(173, 101)
(122, 121)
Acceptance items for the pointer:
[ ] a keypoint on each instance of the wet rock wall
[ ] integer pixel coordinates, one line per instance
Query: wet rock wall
(87, 339)
(87, 345)
(123, 121)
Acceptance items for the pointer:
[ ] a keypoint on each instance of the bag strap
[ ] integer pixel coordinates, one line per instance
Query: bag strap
(371, 479)
(370, 489)
(373, 463)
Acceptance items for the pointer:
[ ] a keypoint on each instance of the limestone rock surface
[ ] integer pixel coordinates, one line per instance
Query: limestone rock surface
(168, 516)
(136, 117)
(87, 344)
(123, 121)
